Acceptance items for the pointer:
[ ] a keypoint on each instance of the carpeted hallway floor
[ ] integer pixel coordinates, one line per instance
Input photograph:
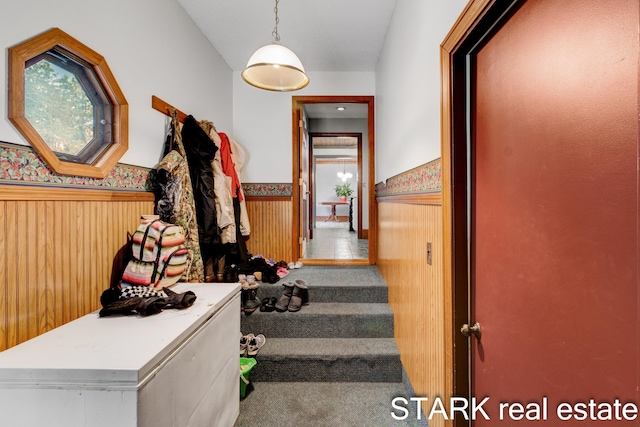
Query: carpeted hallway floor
(325, 404)
(333, 363)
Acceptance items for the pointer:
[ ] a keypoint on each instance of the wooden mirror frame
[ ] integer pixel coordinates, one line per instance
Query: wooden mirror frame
(19, 55)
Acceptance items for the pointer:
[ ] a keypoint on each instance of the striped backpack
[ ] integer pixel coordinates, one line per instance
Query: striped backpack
(158, 255)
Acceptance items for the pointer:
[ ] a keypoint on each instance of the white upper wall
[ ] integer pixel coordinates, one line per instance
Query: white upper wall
(408, 85)
(262, 120)
(152, 47)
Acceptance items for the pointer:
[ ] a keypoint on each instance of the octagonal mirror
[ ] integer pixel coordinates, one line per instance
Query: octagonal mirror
(65, 101)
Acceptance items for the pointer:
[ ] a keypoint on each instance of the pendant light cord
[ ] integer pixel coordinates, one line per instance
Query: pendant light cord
(274, 33)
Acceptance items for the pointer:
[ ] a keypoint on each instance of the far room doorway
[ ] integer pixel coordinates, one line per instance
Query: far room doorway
(336, 200)
(333, 146)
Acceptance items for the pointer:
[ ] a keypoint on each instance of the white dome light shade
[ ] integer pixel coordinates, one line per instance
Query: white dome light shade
(274, 67)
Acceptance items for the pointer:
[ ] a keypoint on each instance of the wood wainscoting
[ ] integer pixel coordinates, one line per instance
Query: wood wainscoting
(416, 295)
(270, 219)
(59, 248)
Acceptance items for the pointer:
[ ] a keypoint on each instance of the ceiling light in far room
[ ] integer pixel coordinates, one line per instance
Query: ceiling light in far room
(341, 108)
(275, 67)
(344, 176)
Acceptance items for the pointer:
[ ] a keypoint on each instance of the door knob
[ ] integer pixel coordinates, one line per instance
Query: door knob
(467, 330)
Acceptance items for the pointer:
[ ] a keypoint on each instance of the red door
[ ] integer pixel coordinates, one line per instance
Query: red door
(554, 215)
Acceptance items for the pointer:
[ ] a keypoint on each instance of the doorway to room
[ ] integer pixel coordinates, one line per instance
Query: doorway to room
(332, 144)
(335, 199)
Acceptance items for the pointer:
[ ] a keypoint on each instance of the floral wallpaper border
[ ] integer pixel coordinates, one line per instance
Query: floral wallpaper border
(20, 164)
(267, 190)
(426, 178)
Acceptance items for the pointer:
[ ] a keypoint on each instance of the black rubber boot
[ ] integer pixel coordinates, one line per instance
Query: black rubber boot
(250, 300)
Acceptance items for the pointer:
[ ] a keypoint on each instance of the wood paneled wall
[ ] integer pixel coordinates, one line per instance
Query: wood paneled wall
(271, 219)
(59, 248)
(416, 292)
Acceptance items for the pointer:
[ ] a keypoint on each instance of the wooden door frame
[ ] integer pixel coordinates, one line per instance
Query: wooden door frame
(304, 130)
(476, 21)
(312, 178)
(297, 102)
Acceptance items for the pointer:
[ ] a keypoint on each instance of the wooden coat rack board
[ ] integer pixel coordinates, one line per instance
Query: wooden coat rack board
(166, 108)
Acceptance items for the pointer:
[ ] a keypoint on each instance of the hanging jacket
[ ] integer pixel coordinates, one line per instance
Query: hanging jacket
(200, 152)
(239, 156)
(239, 252)
(233, 158)
(224, 204)
(174, 200)
(222, 192)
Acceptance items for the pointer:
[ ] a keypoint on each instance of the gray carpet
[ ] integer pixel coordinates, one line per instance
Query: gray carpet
(337, 275)
(325, 404)
(333, 363)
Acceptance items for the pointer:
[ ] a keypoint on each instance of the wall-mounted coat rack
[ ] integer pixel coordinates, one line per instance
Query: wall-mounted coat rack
(166, 108)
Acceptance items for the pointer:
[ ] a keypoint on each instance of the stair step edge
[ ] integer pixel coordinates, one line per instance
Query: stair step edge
(337, 347)
(334, 308)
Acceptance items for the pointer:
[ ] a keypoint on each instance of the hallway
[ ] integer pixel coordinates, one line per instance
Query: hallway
(333, 240)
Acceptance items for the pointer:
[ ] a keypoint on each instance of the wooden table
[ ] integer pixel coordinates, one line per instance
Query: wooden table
(333, 216)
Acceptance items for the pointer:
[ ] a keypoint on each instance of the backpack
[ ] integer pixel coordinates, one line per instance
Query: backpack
(158, 255)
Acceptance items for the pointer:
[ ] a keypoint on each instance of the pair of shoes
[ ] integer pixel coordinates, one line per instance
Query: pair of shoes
(293, 265)
(248, 282)
(268, 304)
(281, 272)
(249, 295)
(295, 295)
(249, 278)
(249, 301)
(255, 344)
(244, 343)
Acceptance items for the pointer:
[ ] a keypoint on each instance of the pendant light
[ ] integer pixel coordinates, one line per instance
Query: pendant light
(344, 175)
(274, 67)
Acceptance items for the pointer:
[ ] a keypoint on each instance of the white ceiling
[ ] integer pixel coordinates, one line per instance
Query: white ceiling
(327, 35)
(329, 111)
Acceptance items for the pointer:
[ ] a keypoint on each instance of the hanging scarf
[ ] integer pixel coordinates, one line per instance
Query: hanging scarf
(228, 167)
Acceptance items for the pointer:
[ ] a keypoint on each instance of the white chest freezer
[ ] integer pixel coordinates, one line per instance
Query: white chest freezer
(177, 368)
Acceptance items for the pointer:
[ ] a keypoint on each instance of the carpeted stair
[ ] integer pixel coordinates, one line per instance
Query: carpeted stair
(338, 350)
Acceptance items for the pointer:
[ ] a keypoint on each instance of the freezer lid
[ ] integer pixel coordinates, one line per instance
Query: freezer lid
(110, 352)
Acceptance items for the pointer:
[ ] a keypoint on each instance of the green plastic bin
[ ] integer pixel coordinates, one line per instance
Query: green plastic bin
(246, 365)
